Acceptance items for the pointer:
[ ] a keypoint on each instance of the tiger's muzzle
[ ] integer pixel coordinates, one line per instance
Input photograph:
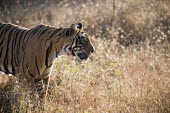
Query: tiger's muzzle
(83, 56)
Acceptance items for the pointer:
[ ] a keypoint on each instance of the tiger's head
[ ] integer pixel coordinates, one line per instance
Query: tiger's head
(78, 43)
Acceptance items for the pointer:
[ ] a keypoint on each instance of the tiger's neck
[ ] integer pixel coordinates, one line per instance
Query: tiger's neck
(55, 50)
(61, 53)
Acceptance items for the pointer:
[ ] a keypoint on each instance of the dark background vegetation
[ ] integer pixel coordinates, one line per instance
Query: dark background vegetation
(130, 22)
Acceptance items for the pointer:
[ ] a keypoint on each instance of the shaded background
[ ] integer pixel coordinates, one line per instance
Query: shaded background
(129, 22)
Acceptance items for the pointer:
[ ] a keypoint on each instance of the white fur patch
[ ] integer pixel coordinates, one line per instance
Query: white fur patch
(10, 69)
(83, 35)
(62, 52)
(2, 67)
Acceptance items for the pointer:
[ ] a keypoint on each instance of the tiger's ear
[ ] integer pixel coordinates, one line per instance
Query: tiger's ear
(76, 26)
(79, 26)
(74, 29)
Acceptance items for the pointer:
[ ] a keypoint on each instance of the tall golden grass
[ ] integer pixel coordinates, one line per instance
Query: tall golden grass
(129, 72)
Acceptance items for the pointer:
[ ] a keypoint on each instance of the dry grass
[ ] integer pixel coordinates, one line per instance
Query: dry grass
(129, 72)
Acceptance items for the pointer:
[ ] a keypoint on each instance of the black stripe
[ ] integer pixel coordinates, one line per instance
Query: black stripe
(23, 61)
(16, 37)
(37, 80)
(23, 45)
(2, 40)
(71, 49)
(25, 42)
(20, 38)
(28, 37)
(3, 33)
(39, 27)
(13, 51)
(18, 46)
(6, 55)
(57, 30)
(33, 32)
(36, 29)
(46, 74)
(6, 72)
(2, 25)
(37, 66)
(62, 33)
(47, 54)
(40, 62)
(7, 29)
(43, 32)
(58, 39)
(56, 44)
(73, 52)
(48, 66)
(77, 41)
(65, 48)
(30, 73)
(1, 51)
(15, 46)
(72, 44)
(57, 54)
(68, 32)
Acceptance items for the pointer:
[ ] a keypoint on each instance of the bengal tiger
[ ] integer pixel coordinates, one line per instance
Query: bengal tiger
(29, 53)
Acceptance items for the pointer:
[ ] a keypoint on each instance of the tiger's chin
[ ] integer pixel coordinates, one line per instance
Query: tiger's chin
(82, 57)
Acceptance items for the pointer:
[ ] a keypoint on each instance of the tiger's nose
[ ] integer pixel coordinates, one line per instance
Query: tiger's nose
(93, 50)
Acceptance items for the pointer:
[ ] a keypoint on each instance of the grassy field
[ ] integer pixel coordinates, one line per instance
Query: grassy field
(128, 73)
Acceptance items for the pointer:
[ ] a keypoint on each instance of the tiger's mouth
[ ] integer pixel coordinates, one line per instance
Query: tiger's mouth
(83, 56)
(80, 54)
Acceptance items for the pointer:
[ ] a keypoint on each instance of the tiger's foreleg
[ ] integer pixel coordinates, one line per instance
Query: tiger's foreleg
(42, 89)
(46, 83)
(46, 87)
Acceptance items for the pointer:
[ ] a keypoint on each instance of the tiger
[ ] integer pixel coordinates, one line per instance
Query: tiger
(29, 54)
